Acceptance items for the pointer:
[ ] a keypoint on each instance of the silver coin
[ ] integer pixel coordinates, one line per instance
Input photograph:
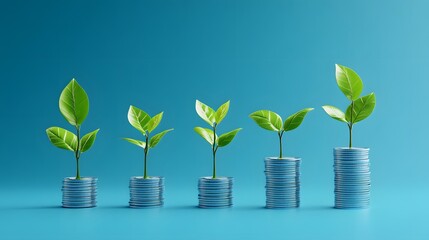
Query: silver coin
(147, 197)
(136, 205)
(146, 189)
(284, 199)
(214, 199)
(215, 194)
(215, 206)
(213, 202)
(294, 204)
(146, 201)
(146, 193)
(77, 204)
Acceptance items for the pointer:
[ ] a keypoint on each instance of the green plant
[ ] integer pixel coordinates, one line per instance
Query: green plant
(214, 118)
(74, 106)
(360, 108)
(272, 121)
(145, 124)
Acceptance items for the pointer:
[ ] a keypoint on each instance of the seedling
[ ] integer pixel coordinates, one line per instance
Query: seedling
(74, 106)
(360, 108)
(272, 121)
(145, 124)
(214, 118)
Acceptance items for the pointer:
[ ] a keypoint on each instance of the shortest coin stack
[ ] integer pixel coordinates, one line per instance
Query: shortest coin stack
(352, 177)
(146, 193)
(80, 193)
(283, 183)
(215, 192)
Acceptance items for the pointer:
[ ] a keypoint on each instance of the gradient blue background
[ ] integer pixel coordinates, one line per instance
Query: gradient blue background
(161, 56)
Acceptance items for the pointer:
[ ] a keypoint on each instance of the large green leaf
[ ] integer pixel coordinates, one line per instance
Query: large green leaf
(138, 119)
(74, 103)
(335, 113)
(294, 120)
(221, 112)
(362, 108)
(136, 142)
(226, 138)
(206, 133)
(154, 122)
(267, 120)
(62, 138)
(87, 141)
(157, 137)
(348, 81)
(205, 112)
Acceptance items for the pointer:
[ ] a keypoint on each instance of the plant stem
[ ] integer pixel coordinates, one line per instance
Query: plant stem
(351, 124)
(214, 165)
(281, 147)
(146, 149)
(350, 135)
(77, 152)
(214, 149)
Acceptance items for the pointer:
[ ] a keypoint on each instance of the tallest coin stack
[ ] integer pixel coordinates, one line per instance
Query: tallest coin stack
(352, 177)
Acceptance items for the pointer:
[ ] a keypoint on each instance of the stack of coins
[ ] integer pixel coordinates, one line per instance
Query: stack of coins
(283, 184)
(80, 193)
(215, 192)
(146, 193)
(352, 177)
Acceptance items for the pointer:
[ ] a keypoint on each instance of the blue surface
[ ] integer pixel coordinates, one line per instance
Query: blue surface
(161, 56)
(41, 218)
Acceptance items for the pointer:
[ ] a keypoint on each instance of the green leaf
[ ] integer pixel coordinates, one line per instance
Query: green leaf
(348, 81)
(74, 103)
(62, 138)
(363, 107)
(138, 119)
(267, 120)
(221, 112)
(206, 133)
(156, 138)
(87, 141)
(205, 112)
(154, 122)
(335, 113)
(227, 138)
(136, 142)
(294, 120)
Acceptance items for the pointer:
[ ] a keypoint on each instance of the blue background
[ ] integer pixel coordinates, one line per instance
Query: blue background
(161, 56)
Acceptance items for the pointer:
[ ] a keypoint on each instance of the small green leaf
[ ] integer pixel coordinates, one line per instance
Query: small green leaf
(154, 121)
(294, 120)
(136, 142)
(74, 103)
(87, 141)
(335, 113)
(156, 138)
(363, 107)
(221, 112)
(205, 112)
(348, 81)
(227, 138)
(138, 119)
(267, 120)
(206, 133)
(62, 138)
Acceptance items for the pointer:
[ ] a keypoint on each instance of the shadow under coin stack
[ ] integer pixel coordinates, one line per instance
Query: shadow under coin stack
(352, 177)
(146, 193)
(215, 192)
(79, 193)
(283, 183)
